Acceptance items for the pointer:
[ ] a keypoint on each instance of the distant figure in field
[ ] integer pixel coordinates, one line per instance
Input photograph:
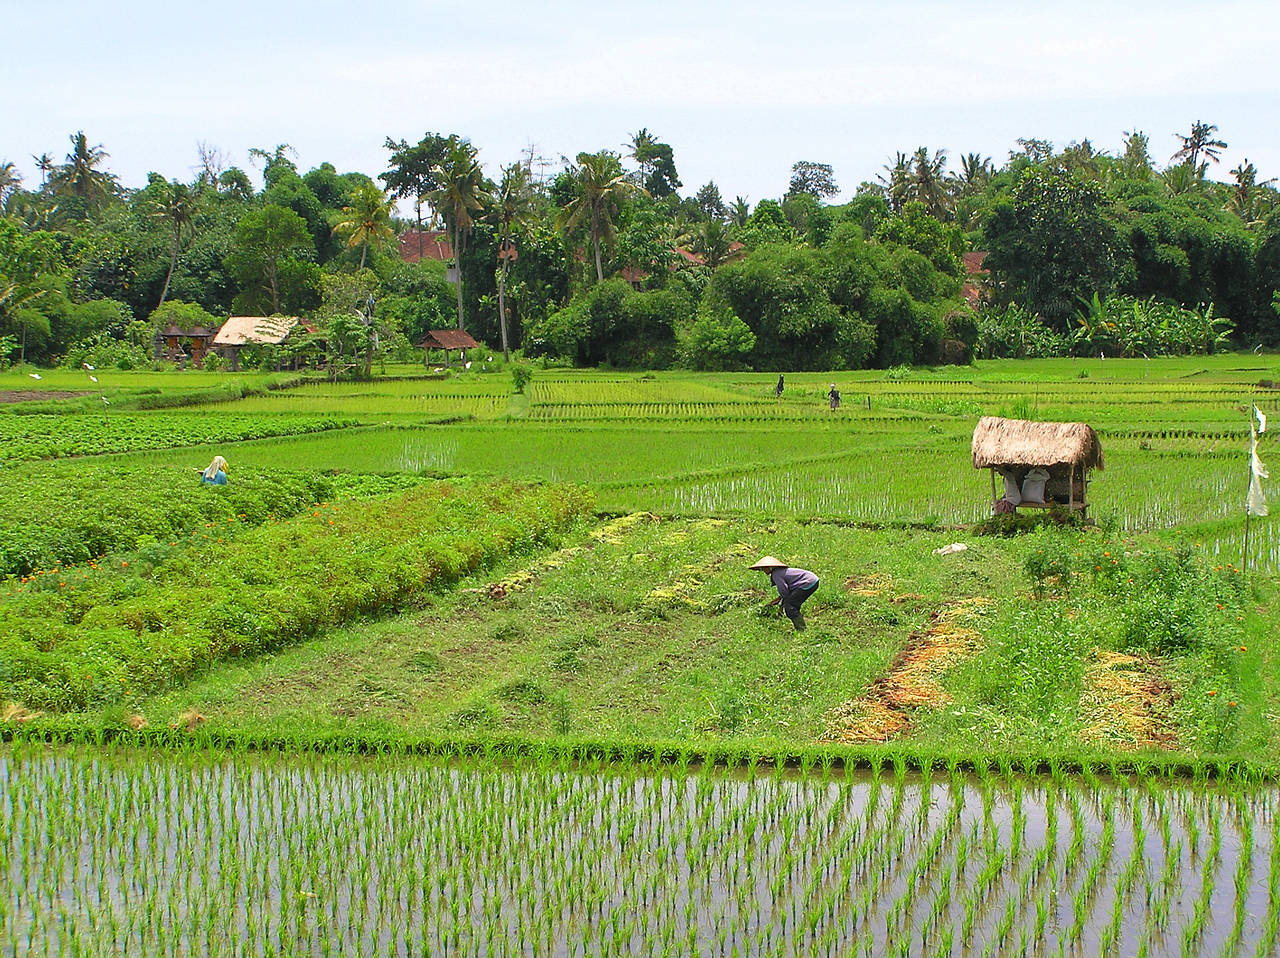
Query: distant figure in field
(833, 396)
(794, 587)
(777, 390)
(216, 473)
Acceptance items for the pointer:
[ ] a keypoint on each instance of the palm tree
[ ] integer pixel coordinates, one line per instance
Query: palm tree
(1136, 160)
(10, 178)
(1200, 141)
(367, 221)
(641, 145)
(975, 172)
(711, 242)
(45, 164)
(1183, 178)
(462, 193)
(1244, 193)
(897, 185)
(513, 204)
(600, 187)
(739, 211)
(176, 208)
(80, 176)
(929, 181)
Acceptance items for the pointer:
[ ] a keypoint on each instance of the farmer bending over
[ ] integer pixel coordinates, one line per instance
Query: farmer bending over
(794, 587)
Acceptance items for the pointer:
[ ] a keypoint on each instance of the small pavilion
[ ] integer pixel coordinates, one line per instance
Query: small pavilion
(240, 331)
(1067, 451)
(447, 339)
(170, 341)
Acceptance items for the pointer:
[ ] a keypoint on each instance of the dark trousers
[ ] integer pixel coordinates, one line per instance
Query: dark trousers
(791, 604)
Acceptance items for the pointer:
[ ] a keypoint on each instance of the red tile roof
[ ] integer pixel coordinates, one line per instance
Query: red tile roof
(434, 245)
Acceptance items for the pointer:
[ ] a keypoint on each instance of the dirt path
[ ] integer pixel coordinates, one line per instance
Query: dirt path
(884, 711)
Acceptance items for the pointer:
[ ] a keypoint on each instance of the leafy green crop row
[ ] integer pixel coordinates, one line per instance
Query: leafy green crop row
(97, 635)
(67, 518)
(54, 436)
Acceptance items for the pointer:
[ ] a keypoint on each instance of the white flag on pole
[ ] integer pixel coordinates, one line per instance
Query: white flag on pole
(1256, 505)
(1262, 419)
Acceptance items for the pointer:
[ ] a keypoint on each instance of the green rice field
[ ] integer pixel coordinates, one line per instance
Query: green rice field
(128, 851)
(448, 669)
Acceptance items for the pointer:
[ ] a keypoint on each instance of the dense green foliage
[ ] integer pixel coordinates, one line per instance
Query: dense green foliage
(793, 283)
(75, 638)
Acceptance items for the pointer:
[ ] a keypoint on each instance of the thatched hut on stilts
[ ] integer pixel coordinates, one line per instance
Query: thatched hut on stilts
(1053, 459)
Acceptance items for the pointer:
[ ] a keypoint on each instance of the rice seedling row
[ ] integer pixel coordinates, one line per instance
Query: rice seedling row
(119, 851)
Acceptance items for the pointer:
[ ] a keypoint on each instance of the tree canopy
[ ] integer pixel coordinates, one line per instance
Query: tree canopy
(608, 259)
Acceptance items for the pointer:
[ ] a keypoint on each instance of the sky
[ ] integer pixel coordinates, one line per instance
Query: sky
(741, 90)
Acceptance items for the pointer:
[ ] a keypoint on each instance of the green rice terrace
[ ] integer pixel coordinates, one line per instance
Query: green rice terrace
(450, 669)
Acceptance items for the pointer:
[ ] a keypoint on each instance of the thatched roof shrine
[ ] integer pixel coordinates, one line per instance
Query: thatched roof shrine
(241, 330)
(1021, 442)
(448, 339)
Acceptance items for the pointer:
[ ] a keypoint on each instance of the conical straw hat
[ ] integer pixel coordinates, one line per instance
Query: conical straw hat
(769, 562)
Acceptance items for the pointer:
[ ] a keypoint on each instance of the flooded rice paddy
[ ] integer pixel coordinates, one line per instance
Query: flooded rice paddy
(140, 852)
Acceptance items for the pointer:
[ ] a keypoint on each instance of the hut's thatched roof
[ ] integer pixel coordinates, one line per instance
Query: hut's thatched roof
(447, 339)
(239, 330)
(1020, 442)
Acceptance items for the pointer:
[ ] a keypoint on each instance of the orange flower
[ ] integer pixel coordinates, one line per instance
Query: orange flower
(1212, 693)
(1231, 705)
(1244, 648)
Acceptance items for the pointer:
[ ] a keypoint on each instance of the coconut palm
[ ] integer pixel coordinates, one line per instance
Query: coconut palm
(463, 192)
(80, 175)
(739, 211)
(45, 164)
(513, 205)
(10, 179)
(897, 185)
(600, 187)
(711, 242)
(641, 145)
(176, 208)
(367, 221)
(928, 182)
(975, 172)
(1243, 198)
(1200, 142)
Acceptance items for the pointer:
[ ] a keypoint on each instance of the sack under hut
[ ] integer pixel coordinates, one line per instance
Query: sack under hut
(1041, 464)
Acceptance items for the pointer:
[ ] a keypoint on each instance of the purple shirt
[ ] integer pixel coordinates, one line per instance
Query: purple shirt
(787, 580)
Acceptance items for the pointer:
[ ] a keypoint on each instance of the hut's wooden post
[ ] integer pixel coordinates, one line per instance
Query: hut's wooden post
(993, 485)
(1071, 489)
